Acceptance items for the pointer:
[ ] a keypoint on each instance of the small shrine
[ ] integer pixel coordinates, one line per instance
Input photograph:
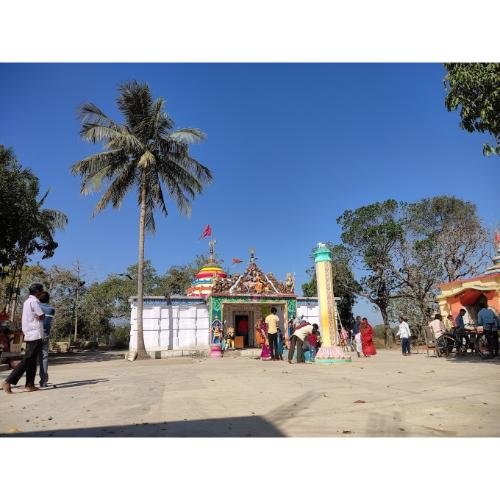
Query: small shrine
(239, 301)
(471, 292)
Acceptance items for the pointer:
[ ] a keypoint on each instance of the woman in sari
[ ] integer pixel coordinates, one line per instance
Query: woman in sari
(262, 340)
(367, 339)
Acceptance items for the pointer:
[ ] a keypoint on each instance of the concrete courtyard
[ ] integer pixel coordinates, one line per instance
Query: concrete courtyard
(99, 394)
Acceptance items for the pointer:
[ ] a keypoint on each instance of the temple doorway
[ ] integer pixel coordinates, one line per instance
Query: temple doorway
(242, 327)
(243, 317)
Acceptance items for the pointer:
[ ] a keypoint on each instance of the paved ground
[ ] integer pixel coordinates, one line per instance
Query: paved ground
(387, 395)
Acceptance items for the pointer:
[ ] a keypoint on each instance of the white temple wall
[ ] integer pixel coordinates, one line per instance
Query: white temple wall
(309, 309)
(172, 327)
(184, 324)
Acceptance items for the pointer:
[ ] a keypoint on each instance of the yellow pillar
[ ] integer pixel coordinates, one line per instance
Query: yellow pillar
(329, 351)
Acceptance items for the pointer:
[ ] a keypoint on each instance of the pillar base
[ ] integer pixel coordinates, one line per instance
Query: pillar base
(327, 361)
(332, 354)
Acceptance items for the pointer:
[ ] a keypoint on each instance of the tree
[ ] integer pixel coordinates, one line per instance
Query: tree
(371, 235)
(474, 89)
(28, 228)
(443, 240)
(144, 153)
(177, 279)
(344, 284)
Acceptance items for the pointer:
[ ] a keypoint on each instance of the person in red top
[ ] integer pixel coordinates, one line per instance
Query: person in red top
(367, 339)
(313, 341)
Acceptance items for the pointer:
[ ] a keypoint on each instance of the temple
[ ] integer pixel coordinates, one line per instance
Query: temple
(216, 301)
(471, 292)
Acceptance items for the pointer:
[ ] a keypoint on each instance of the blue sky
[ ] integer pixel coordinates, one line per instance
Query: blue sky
(291, 146)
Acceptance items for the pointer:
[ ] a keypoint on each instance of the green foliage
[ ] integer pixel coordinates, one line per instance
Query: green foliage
(144, 151)
(405, 250)
(474, 89)
(371, 235)
(120, 337)
(444, 240)
(27, 228)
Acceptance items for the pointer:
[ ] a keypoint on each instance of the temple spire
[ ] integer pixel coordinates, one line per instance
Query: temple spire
(252, 255)
(211, 249)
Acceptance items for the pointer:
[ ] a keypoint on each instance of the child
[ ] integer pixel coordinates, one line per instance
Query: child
(280, 344)
(359, 347)
(313, 342)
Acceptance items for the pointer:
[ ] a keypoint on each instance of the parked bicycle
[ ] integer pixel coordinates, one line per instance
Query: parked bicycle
(462, 343)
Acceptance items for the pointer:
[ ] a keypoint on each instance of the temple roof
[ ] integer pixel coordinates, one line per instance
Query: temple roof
(253, 282)
(204, 280)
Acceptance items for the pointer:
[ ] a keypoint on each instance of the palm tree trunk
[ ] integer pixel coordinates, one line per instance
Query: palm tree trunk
(141, 348)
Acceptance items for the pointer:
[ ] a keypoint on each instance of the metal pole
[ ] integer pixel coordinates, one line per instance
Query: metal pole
(76, 313)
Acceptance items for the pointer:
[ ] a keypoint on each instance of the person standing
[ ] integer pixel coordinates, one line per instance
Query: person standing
(272, 322)
(459, 321)
(298, 337)
(356, 328)
(404, 334)
(48, 311)
(32, 326)
(262, 340)
(367, 339)
(488, 319)
(359, 344)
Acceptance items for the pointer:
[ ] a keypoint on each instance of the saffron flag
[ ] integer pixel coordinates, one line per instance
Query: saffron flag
(206, 232)
(237, 261)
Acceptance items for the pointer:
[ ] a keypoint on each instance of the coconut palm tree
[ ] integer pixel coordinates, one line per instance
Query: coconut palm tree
(146, 154)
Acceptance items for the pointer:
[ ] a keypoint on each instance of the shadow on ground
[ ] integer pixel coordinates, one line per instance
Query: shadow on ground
(77, 383)
(65, 385)
(254, 426)
(472, 358)
(85, 357)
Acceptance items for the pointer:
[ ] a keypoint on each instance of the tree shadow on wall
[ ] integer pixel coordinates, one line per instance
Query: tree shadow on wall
(253, 426)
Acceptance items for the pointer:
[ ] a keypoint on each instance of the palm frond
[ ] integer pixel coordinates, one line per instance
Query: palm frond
(187, 135)
(117, 189)
(179, 186)
(90, 113)
(135, 103)
(116, 138)
(95, 168)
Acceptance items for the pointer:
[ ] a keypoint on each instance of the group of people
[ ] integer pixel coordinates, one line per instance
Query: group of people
(361, 338)
(301, 337)
(487, 319)
(36, 322)
(304, 338)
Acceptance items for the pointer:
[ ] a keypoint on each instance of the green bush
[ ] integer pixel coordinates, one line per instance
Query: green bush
(120, 337)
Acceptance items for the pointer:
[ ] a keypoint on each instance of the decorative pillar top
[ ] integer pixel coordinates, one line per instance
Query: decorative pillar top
(322, 253)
